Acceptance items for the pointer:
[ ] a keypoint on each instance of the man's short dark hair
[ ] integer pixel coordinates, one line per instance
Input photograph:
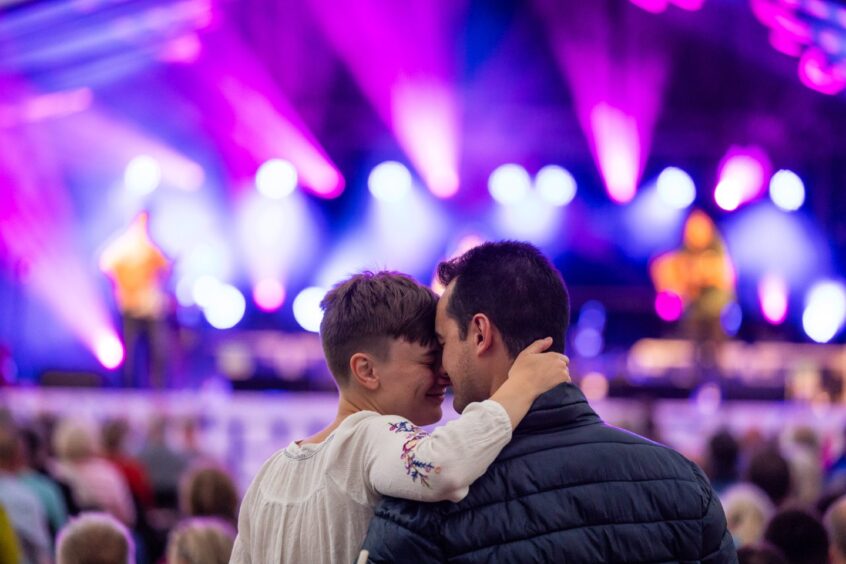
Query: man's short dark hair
(515, 286)
(362, 314)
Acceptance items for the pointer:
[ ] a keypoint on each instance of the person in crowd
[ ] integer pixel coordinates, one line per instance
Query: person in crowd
(760, 553)
(803, 452)
(835, 524)
(568, 487)
(96, 484)
(95, 538)
(36, 457)
(769, 471)
(209, 491)
(799, 535)
(22, 507)
(722, 460)
(114, 433)
(163, 464)
(10, 550)
(379, 340)
(748, 510)
(201, 539)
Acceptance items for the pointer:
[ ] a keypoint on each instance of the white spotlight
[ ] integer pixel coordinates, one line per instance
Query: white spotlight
(389, 181)
(143, 174)
(307, 310)
(787, 190)
(555, 185)
(676, 188)
(825, 311)
(276, 179)
(227, 308)
(509, 184)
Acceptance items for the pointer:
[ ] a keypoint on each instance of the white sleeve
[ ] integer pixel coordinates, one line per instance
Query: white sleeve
(403, 460)
(241, 548)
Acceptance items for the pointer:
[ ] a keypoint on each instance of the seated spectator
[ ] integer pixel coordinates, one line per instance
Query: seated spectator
(22, 506)
(208, 491)
(164, 465)
(46, 489)
(760, 553)
(770, 471)
(114, 437)
(96, 483)
(748, 510)
(95, 538)
(835, 524)
(201, 539)
(721, 464)
(37, 457)
(799, 535)
(801, 449)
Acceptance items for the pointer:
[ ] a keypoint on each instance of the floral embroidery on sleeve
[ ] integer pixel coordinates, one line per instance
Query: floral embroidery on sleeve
(413, 467)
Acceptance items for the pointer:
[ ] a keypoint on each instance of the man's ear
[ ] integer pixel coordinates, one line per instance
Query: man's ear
(363, 371)
(482, 333)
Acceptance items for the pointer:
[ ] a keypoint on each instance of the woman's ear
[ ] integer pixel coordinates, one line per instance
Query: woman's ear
(363, 371)
(482, 333)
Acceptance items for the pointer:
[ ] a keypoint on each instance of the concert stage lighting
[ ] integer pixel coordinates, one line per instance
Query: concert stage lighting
(555, 185)
(307, 309)
(276, 178)
(269, 294)
(390, 181)
(676, 188)
(787, 190)
(509, 184)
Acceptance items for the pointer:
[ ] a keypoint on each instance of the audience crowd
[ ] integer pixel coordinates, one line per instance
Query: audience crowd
(74, 493)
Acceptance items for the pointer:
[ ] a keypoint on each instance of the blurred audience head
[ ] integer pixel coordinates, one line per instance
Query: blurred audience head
(723, 456)
(800, 535)
(760, 553)
(769, 471)
(95, 538)
(10, 452)
(75, 440)
(208, 491)
(835, 524)
(203, 540)
(748, 509)
(114, 434)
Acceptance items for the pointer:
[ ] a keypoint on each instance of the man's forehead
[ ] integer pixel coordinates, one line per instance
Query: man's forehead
(443, 301)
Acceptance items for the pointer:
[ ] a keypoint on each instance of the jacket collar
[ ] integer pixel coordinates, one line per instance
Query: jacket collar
(562, 406)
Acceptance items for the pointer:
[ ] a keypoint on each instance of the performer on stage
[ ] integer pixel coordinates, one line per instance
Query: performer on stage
(138, 268)
(702, 275)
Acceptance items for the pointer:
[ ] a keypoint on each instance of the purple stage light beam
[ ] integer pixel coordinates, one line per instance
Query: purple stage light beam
(400, 53)
(253, 119)
(617, 93)
(36, 227)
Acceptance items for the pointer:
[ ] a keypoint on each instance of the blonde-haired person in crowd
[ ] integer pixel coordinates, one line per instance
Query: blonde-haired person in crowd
(95, 482)
(95, 538)
(748, 510)
(312, 501)
(201, 540)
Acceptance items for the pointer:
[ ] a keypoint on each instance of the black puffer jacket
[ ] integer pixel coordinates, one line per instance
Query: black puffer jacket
(568, 488)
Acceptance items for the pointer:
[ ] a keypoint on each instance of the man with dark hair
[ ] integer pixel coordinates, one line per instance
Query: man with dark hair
(568, 488)
(312, 501)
